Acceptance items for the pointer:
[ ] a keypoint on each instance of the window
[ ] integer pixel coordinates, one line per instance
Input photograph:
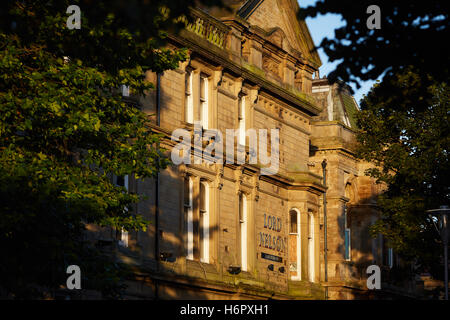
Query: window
(125, 90)
(388, 254)
(347, 236)
(311, 255)
(241, 119)
(243, 230)
(204, 218)
(390, 257)
(294, 222)
(189, 215)
(294, 244)
(197, 222)
(347, 244)
(189, 99)
(204, 101)
(122, 181)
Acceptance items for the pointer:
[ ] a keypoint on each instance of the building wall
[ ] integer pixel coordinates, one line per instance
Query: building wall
(275, 79)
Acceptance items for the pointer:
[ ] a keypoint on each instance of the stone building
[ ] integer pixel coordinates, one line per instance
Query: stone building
(228, 231)
(351, 202)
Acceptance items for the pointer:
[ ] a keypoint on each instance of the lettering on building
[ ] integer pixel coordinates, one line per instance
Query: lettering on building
(270, 240)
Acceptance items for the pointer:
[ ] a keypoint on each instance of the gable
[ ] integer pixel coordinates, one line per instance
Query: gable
(281, 15)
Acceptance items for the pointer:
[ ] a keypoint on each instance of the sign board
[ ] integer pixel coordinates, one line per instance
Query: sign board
(271, 257)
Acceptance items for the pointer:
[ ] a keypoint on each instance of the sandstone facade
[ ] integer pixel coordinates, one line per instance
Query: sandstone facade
(254, 67)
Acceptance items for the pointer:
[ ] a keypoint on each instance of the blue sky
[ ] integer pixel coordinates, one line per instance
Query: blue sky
(323, 27)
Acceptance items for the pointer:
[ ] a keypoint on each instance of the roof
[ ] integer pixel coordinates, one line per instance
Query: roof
(350, 107)
(338, 105)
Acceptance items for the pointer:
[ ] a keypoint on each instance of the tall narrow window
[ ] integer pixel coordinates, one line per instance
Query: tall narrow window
(294, 222)
(204, 216)
(189, 99)
(311, 255)
(189, 216)
(347, 241)
(390, 257)
(294, 244)
(347, 236)
(388, 254)
(122, 181)
(241, 119)
(204, 101)
(243, 230)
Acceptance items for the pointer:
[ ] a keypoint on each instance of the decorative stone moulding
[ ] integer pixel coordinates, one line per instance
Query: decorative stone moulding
(209, 29)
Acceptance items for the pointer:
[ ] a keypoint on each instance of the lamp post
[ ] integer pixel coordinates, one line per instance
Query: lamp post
(442, 215)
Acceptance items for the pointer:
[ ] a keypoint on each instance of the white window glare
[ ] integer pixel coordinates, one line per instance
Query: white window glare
(204, 106)
(189, 99)
(125, 90)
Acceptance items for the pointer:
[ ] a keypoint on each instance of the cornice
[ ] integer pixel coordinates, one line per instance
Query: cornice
(331, 123)
(221, 57)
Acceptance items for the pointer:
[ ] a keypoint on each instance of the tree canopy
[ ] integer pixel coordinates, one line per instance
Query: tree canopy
(406, 134)
(403, 123)
(412, 32)
(65, 129)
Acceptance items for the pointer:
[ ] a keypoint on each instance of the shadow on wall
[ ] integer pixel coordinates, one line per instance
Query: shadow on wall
(175, 277)
(172, 232)
(152, 280)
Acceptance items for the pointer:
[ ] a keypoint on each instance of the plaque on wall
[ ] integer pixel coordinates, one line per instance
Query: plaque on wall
(271, 257)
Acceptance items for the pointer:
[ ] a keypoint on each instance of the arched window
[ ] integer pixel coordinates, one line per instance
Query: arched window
(294, 244)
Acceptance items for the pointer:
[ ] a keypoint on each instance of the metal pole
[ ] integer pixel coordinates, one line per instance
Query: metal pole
(325, 246)
(445, 240)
